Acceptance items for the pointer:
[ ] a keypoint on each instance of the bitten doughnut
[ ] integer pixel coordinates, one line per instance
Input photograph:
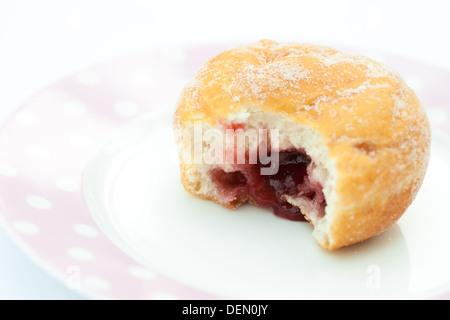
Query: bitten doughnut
(336, 139)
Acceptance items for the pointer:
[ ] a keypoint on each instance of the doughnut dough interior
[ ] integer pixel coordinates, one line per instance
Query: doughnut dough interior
(354, 140)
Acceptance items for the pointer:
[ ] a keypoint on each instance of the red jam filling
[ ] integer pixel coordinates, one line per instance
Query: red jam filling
(269, 190)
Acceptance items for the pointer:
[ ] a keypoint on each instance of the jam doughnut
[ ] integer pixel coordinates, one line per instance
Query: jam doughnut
(348, 141)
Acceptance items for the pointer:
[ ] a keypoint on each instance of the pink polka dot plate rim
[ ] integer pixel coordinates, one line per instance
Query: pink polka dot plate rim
(47, 143)
(45, 146)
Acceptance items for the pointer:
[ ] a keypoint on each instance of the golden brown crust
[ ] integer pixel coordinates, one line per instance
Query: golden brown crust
(372, 123)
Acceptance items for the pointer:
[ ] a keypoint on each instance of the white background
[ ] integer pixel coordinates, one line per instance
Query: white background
(44, 40)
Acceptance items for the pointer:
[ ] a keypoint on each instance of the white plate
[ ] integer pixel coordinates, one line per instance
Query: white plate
(133, 190)
(116, 223)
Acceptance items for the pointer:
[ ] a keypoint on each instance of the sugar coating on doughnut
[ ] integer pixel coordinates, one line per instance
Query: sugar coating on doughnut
(364, 128)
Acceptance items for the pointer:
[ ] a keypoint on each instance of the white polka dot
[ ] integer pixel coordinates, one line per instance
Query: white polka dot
(162, 296)
(143, 80)
(38, 152)
(96, 283)
(88, 77)
(7, 170)
(80, 254)
(81, 141)
(67, 185)
(27, 118)
(75, 108)
(85, 230)
(26, 227)
(174, 55)
(38, 202)
(126, 108)
(142, 273)
(437, 115)
(415, 83)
